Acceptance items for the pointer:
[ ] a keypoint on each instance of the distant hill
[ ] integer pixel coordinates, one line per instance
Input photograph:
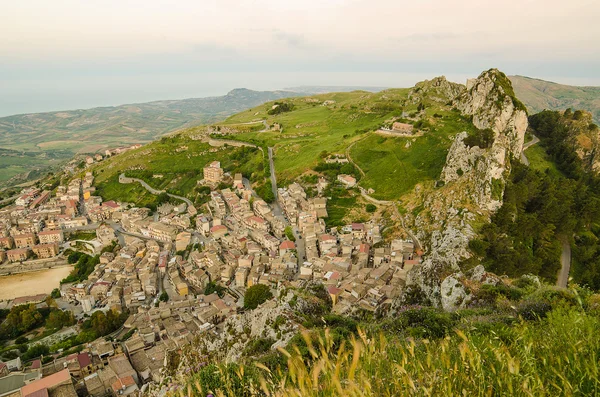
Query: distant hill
(538, 95)
(35, 141)
(318, 89)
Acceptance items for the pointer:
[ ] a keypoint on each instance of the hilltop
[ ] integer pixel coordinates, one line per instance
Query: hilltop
(539, 95)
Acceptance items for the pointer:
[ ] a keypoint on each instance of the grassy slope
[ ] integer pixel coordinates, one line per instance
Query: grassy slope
(391, 168)
(539, 95)
(181, 168)
(539, 159)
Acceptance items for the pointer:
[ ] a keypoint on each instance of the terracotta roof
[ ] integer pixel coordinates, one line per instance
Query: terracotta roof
(217, 228)
(333, 290)
(84, 360)
(47, 382)
(287, 245)
(123, 382)
(35, 364)
(110, 204)
(39, 393)
(326, 237)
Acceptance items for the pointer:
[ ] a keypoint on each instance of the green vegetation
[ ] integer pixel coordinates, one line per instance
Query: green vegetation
(214, 288)
(256, 295)
(482, 138)
(541, 210)
(289, 233)
(370, 208)
(280, 107)
(539, 160)
(164, 296)
(506, 85)
(341, 201)
(516, 339)
(82, 235)
(173, 164)
(84, 266)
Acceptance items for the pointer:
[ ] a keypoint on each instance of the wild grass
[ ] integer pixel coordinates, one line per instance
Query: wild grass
(556, 356)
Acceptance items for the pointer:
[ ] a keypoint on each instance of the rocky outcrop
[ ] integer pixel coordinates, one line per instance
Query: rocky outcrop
(270, 320)
(456, 290)
(438, 89)
(473, 182)
(491, 101)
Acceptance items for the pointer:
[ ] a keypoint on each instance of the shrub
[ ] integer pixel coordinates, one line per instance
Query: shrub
(21, 340)
(371, 208)
(256, 295)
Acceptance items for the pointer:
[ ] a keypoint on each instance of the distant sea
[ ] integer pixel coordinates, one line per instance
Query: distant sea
(66, 92)
(19, 96)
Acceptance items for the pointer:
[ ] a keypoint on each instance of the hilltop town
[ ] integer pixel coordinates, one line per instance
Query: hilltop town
(223, 243)
(164, 269)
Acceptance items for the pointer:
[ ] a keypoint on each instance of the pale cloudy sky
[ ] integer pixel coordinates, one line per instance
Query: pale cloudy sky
(64, 54)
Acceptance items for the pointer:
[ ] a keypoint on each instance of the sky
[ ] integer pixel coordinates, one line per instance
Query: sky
(70, 54)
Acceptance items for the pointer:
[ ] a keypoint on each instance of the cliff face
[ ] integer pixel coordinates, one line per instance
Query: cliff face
(491, 101)
(473, 185)
(438, 89)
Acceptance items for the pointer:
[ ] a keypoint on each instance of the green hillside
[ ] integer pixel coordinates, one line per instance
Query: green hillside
(36, 141)
(303, 131)
(347, 123)
(538, 95)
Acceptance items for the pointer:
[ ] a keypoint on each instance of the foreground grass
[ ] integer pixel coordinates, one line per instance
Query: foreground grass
(554, 356)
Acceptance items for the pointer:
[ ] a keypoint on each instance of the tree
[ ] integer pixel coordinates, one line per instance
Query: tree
(213, 287)
(164, 297)
(256, 295)
(289, 233)
(371, 208)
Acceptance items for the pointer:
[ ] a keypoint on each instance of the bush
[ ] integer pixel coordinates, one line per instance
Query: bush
(371, 208)
(258, 346)
(256, 295)
(21, 340)
(482, 138)
(213, 287)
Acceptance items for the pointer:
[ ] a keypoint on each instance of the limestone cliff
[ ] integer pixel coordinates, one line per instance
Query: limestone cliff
(473, 182)
(438, 89)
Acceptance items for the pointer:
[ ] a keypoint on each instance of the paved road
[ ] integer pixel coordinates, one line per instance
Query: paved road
(565, 262)
(532, 142)
(277, 208)
(124, 179)
(300, 246)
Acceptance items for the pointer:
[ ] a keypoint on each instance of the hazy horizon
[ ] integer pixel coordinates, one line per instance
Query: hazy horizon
(70, 54)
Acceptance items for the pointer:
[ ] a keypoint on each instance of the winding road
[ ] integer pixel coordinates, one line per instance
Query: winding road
(565, 262)
(532, 142)
(125, 180)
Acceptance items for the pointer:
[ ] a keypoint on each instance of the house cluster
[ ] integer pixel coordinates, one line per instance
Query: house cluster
(236, 241)
(35, 225)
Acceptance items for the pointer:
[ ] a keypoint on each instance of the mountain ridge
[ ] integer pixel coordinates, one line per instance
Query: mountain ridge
(538, 95)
